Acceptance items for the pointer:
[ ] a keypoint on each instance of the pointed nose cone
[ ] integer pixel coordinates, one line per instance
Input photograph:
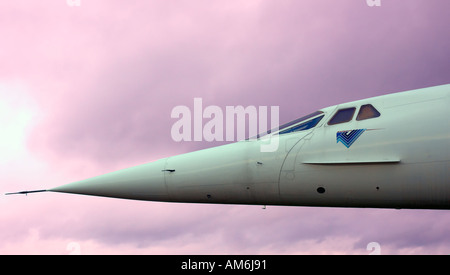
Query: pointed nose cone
(143, 182)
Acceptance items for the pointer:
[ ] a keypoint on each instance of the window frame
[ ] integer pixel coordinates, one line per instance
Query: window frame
(296, 127)
(373, 108)
(291, 124)
(340, 122)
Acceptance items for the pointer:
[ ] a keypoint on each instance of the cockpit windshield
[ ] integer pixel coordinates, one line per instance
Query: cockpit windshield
(302, 126)
(299, 124)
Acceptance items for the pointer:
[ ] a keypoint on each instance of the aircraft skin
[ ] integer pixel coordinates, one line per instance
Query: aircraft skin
(393, 152)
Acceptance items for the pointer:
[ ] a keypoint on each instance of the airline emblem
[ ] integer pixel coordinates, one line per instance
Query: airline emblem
(349, 137)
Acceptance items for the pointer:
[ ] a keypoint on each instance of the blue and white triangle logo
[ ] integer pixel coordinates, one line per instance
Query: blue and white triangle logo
(349, 137)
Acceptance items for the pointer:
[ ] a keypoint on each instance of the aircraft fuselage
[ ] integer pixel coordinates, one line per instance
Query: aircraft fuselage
(390, 151)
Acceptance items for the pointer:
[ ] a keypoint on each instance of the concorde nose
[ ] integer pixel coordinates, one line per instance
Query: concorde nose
(143, 182)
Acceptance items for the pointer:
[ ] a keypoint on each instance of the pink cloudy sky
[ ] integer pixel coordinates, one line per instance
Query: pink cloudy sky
(87, 90)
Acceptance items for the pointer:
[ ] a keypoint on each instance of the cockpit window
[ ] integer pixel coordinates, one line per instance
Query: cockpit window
(286, 125)
(343, 115)
(302, 126)
(367, 111)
